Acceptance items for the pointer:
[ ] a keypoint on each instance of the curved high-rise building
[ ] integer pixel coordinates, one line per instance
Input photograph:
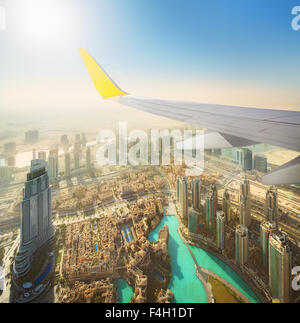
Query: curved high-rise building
(36, 217)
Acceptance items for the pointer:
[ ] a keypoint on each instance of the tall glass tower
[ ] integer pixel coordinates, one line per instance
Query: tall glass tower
(226, 205)
(245, 203)
(196, 191)
(184, 198)
(266, 229)
(272, 206)
(280, 258)
(211, 206)
(241, 245)
(220, 225)
(36, 217)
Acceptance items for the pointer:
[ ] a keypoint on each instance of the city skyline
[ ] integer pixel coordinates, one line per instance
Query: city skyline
(149, 153)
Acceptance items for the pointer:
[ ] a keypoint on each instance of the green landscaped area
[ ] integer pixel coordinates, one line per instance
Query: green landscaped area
(223, 294)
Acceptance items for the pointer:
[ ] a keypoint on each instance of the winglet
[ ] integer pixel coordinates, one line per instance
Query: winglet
(103, 83)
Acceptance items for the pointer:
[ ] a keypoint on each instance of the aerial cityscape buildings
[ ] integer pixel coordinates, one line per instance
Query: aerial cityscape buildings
(220, 229)
(88, 158)
(193, 221)
(188, 192)
(245, 203)
(220, 219)
(196, 194)
(241, 245)
(53, 165)
(261, 163)
(211, 206)
(280, 267)
(67, 165)
(226, 205)
(272, 206)
(36, 217)
(244, 157)
(266, 230)
(183, 197)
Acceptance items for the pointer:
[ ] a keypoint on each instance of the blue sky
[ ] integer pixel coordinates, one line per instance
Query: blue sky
(216, 50)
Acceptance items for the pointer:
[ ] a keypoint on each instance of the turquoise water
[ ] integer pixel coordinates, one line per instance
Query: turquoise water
(208, 261)
(125, 291)
(184, 284)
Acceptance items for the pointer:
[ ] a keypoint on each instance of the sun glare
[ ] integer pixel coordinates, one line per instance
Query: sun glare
(43, 19)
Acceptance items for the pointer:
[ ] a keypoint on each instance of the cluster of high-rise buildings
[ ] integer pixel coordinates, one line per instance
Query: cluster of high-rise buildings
(36, 213)
(53, 158)
(275, 249)
(244, 157)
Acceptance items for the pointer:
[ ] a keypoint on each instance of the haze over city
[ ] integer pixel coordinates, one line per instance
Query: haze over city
(167, 228)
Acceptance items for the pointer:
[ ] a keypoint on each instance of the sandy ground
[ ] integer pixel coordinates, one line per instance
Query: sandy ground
(280, 156)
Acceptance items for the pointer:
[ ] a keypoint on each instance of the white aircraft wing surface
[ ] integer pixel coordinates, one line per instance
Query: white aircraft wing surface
(242, 125)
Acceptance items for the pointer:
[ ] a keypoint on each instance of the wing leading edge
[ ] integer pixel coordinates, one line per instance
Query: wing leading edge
(275, 127)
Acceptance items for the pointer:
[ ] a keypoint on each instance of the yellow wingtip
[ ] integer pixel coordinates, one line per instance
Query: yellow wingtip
(103, 83)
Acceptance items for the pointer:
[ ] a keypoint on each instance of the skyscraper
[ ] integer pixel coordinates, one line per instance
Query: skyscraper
(5, 174)
(241, 245)
(261, 163)
(211, 206)
(245, 203)
(209, 210)
(42, 155)
(36, 217)
(280, 267)
(53, 165)
(193, 221)
(77, 153)
(76, 160)
(67, 165)
(266, 229)
(244, 157)
(64, 140)
(178, 186)
(10, 148)
(226, 205)
(88, 158)
(196, 191)
(220, 228)
(83, 139)
(271, 207)
(214, 191)
(183, 198)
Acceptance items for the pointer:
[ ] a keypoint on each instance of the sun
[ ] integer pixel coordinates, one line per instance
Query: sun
(43, 20)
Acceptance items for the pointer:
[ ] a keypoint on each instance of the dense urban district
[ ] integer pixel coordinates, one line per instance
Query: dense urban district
(73, 231)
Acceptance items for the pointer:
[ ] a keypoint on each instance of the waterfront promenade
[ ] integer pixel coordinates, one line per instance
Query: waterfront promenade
(204, 275)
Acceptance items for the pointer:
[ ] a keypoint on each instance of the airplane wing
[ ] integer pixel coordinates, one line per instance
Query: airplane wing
(235, 124)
